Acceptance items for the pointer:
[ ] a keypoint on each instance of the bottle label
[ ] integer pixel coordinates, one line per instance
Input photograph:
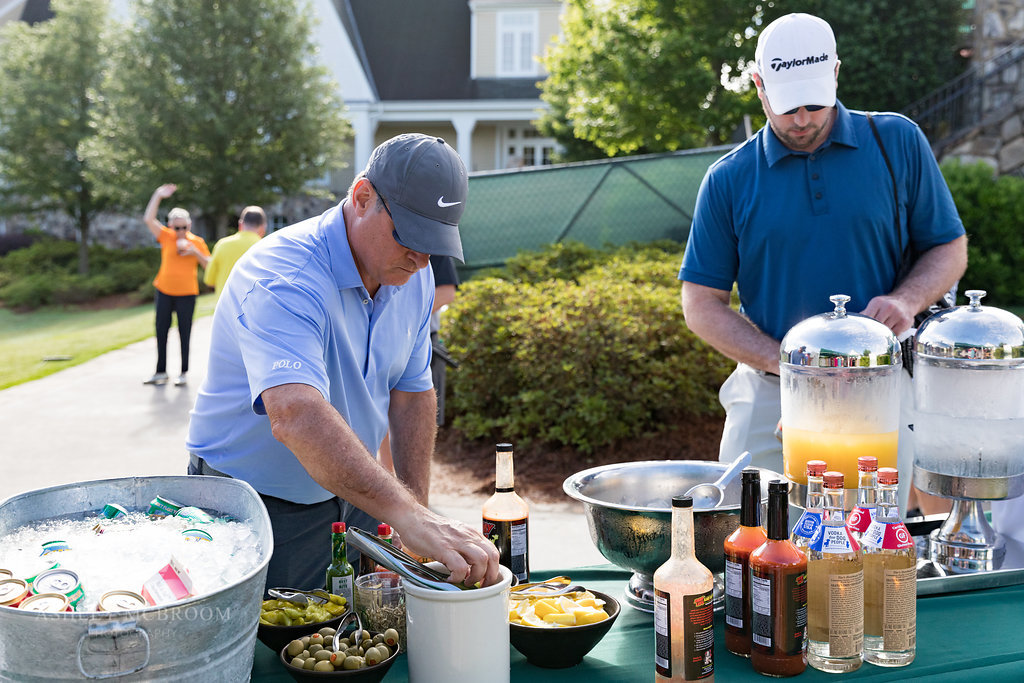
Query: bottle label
(899, 609)
(890, 536)
(511, 539)
(698, 636)
(833, 539)
(733, 593)
(808, 523)
(846, 614)
(342, 585)
(860, 519)
(662, 633)
(783, 633)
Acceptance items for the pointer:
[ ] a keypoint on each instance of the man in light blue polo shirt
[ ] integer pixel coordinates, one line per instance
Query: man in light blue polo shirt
(803, 210)
(320, 341)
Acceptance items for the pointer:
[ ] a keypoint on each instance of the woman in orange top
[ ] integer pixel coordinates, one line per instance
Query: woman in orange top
(176, 282)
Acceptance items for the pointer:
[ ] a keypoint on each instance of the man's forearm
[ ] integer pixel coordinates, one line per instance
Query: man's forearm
(709, 316)
(413, 421)
(933, 274)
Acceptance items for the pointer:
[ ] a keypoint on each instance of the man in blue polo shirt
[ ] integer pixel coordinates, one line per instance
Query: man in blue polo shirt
(802, 210)
(320, 341)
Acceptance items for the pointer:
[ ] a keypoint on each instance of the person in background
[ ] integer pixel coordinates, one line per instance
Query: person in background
(252, 225)
(320, 343)
(446, 281)
(802, 210)
(176, 283)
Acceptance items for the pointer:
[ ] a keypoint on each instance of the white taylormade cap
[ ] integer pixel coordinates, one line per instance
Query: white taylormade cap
(796, 59)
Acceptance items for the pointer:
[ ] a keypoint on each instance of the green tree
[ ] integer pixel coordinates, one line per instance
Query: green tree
(640, 76)
(50, 79)
(892, 53)
(225, 99)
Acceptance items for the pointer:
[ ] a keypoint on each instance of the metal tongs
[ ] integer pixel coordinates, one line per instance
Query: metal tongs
(559, 585)
(300, 597)
(403, 564)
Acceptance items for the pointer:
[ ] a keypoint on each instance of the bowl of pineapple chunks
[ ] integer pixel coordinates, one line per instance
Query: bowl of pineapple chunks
(558, 631)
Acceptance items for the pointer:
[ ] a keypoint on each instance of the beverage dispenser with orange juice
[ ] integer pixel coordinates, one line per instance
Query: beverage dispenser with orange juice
(840, 380)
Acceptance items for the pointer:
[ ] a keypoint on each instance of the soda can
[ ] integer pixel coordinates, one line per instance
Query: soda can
(163, 507)
(196, 535)
(46, 602)
(32, 579)
(12, 592)
(194, 514)
(121, 601)
(113, 511)
(6, 574)
(51, 547)
(61, 581)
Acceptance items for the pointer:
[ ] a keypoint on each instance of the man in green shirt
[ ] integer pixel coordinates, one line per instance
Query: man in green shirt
(252, 225)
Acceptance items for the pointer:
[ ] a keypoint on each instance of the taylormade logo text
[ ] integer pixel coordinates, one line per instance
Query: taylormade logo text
(780, 64)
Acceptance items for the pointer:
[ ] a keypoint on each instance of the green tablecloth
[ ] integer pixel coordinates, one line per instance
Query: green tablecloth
(975, 636)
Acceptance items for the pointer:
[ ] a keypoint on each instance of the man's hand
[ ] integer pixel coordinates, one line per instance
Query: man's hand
(892, 312)
(165, 191)
(469, 556)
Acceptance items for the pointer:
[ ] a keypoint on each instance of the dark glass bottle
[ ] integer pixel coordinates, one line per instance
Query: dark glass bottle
(738, 547)
(778, 588)
(340, 574)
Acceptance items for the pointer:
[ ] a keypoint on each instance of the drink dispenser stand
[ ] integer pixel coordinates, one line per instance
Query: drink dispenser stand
(840, 382)
(969, 426)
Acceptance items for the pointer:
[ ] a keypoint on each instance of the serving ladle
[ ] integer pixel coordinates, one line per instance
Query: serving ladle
(710, 496)
(300, 597)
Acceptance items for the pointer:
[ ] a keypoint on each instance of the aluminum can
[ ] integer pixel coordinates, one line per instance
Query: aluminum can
(46, 602)
(194, 514)
(51, 547)
(12, 592)
(113, 511)
(6, 574)
(121, 601)
(196, 535)
(163, 507)
(61, 581)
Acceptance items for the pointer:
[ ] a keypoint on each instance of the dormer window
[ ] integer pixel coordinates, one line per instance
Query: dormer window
(517, 44)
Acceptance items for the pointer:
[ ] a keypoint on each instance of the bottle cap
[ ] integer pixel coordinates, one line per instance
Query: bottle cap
(338, 527)
(383, 529)
(816, 468)
(777, 486)
(682, 502)
(833, 480)
(888, 475)
(503, 447)
(867, 463)
(751, 474)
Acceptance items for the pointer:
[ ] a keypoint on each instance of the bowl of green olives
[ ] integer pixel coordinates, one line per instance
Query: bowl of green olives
(282, 622)
(314, 658)
(557, 646)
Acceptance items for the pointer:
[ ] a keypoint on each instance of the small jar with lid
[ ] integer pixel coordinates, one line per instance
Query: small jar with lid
(840, 385)
(969, 394)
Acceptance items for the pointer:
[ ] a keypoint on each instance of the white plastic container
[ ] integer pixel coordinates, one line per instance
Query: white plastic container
(458, 636)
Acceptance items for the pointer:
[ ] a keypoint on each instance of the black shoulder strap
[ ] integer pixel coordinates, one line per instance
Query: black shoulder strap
(895, 187)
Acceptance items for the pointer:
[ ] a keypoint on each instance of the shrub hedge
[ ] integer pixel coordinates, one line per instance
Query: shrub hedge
(992, 209)
(578, 347)
(46, 273)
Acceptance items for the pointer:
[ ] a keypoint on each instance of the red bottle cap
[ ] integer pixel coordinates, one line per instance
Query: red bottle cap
(383, 529)
(833, 480)
(867, 463)
(816, 468)
(888, 475)
(338, 527)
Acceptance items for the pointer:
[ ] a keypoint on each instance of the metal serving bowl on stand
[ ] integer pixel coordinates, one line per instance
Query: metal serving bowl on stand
(628, 509)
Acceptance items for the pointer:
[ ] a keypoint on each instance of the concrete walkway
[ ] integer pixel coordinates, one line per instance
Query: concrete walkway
(98, 421)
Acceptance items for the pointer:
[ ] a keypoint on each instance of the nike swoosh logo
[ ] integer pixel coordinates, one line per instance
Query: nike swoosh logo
(443, 204)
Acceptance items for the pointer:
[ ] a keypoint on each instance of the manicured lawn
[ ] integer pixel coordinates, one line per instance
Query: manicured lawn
(28, 339)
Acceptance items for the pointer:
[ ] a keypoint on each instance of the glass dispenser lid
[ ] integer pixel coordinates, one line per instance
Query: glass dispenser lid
(839, 339)
(972, 333)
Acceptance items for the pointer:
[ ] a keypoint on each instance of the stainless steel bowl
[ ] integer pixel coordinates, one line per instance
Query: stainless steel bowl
(628, 509)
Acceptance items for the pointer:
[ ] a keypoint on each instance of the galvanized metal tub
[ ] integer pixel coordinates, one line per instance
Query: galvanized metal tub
(207, 638)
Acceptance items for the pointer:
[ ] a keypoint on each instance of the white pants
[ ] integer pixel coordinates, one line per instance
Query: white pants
(1007, 516)
(753, 408)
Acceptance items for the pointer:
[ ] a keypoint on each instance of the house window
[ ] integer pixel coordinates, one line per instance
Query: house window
(517, 44)
(524, 146)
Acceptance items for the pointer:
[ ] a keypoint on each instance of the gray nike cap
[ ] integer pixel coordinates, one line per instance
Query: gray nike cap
(424, 183)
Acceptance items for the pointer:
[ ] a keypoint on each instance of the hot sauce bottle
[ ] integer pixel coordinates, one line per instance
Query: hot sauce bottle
(738, 547)
(835, 589)
(778, 590)
(890, 581)
(867, 479)
(810, 520)
(684, 617)
(506, 517)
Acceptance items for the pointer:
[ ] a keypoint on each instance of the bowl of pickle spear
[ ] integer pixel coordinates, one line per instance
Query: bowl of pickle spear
(289, 613)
